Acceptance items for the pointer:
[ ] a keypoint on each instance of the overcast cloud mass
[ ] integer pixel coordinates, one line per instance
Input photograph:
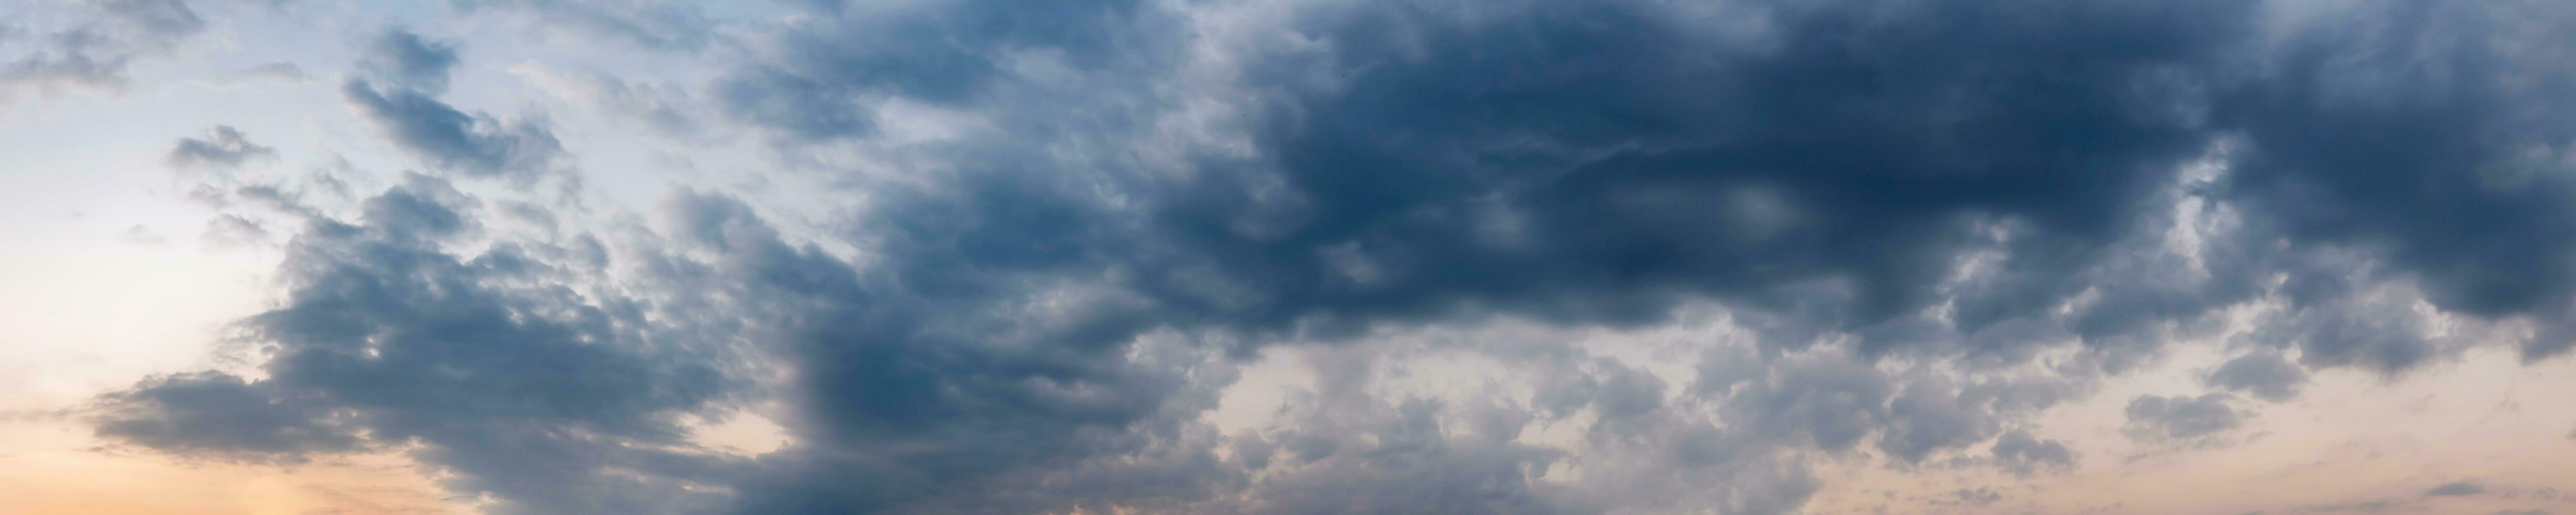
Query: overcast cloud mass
(1316, 256)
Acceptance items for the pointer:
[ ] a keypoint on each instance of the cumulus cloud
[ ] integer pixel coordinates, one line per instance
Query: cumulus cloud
(491, 366)
(1924, 222)
(2263, 374)
(2021, 453)
(2169, 419)
(406, 108)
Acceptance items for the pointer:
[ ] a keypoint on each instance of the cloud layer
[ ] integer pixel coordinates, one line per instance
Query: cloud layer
(1903, 228)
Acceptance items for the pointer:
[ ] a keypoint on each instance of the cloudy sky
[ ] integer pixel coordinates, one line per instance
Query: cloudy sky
(1287, 256)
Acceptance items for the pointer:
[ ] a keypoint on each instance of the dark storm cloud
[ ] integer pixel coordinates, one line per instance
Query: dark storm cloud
(1849, 158)
(1389, 197)
(2435, 133)
(2159, 419)
(1904, 201)
(923, 396)
(223, 146)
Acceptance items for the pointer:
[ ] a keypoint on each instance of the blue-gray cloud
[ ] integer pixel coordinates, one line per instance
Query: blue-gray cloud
(413, 71)
(401, 58)
(475, 145)
(223, 146)
(489, 366)
(92, 45)
(2452, 171)
(224, 415)
(1907, 203)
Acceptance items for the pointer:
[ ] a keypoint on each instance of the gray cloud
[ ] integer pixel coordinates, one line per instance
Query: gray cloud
(1979, 497)
(224, 416)
(2336, 320)
(1342, 448)
(2264, 374)
(223, 146)
(2021, 453)
(2456, 489)
(2378, 506)
(415, 71)
(92, 48)
(2159, 419)
(475, 145)
(1412, 467)
(401, 58)
(488, 366)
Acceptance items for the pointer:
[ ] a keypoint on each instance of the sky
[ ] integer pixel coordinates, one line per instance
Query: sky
(564, 257)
